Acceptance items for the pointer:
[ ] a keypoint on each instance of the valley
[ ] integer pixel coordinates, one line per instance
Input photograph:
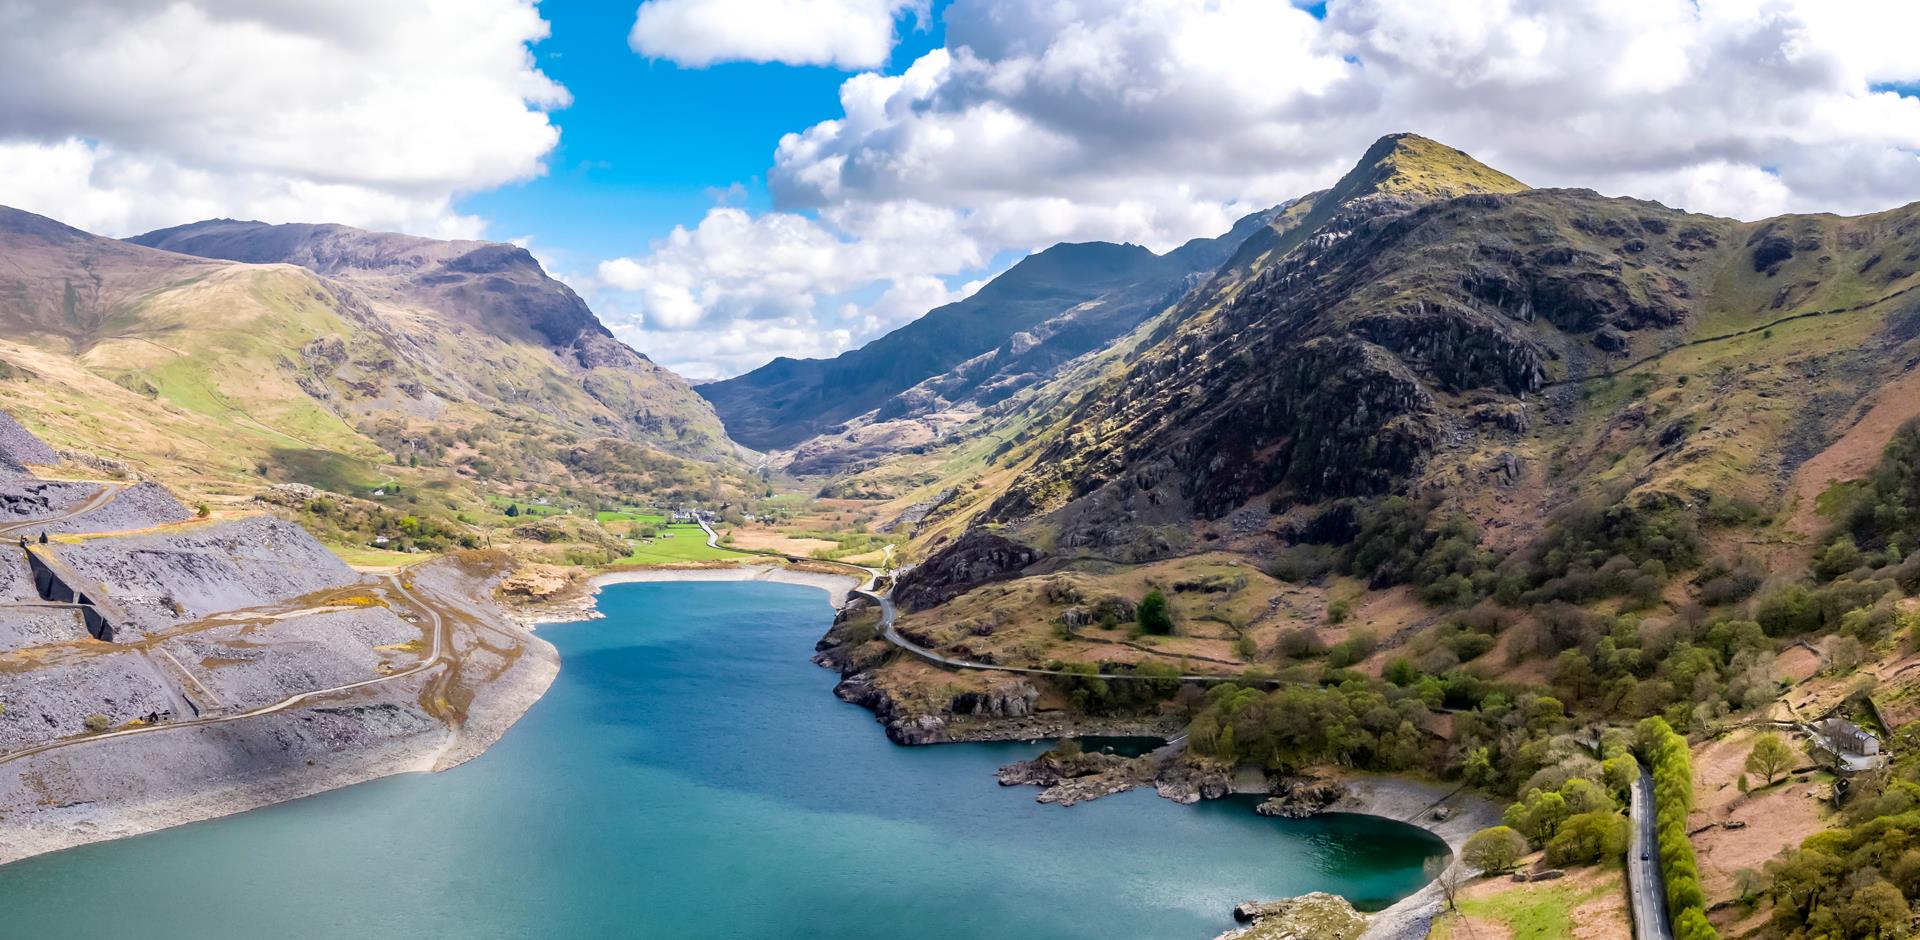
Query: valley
(1429, 482)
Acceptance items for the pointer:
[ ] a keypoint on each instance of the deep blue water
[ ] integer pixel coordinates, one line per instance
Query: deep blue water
(689, 775)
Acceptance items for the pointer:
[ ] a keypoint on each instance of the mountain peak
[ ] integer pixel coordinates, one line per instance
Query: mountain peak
(1414, 165)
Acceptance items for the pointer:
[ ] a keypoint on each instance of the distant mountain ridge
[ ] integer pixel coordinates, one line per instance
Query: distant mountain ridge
(495, 287)
(324, 351)
(1047, 309)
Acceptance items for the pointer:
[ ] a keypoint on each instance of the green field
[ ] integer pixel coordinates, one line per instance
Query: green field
(688, 543)
(643, 516)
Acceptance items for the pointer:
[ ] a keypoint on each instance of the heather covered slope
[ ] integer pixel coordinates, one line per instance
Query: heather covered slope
(943, 368)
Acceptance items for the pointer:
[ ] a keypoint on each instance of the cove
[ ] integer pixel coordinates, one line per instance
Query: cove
(690, 775)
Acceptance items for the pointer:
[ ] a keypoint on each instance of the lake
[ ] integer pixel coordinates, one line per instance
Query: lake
(690, 774)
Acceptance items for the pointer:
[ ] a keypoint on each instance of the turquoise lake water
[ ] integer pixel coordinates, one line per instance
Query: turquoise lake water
(690, 775)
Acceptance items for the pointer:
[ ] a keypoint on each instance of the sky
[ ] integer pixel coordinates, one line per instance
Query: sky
(727, 181)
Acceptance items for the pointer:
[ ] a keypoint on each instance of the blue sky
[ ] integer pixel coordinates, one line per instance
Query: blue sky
(647, 144)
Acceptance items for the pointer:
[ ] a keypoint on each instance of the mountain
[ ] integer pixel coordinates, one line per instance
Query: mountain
(1429, 326)
(939, 370)
(495, 290)
(329, 356)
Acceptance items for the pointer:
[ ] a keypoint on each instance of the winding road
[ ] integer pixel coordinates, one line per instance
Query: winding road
(107, 493)
(1645, 887)
(888, 629)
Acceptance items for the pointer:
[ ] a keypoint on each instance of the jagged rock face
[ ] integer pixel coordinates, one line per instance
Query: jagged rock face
(1183, 782)
(1339, 369)
(976, 558)
(1014, 699)
(1298, 798)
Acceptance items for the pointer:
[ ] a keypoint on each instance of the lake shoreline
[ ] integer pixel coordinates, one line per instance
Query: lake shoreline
(1399, 799)
(163, 776)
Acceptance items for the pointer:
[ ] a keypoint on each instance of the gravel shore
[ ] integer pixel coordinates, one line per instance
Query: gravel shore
(1413, 802)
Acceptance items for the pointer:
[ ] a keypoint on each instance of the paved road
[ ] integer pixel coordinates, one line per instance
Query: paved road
(888, 614)
(1645, 887)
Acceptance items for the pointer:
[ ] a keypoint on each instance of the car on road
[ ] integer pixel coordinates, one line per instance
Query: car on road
(1643, 856)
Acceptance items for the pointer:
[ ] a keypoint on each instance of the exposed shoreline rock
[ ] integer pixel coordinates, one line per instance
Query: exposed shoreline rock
(1301, 797)
(1315, 916)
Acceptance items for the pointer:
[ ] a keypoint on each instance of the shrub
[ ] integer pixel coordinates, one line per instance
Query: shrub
(1588, 837)
(1494, 850)
(1153, 615)
(97, 723)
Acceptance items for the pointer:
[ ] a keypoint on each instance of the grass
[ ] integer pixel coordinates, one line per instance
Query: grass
(1534, 912)
(688, 543)
(643, 516)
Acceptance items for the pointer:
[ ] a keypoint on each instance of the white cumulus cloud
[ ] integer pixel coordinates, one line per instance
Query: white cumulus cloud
(850, 34)
(124, 115)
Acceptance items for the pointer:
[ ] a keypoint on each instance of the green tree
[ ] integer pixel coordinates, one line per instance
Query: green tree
(1588, 837)
(1153, 615)
(1877, 910)
(1496, 849)
(1770, 757)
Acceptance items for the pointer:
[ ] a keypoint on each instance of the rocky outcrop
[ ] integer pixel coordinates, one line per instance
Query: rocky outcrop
(1183, 782)
(1014, 699)
(976, 558)
(1069, 778)
(863, 689)
(1316, 916)
(1300, 797)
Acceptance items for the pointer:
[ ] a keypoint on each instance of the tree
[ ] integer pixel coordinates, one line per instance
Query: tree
(1588, 837)
(1496, 849)
(1450, 878)
(1153, 615)
(1877, 910)
(513, 510)
(1770, 757)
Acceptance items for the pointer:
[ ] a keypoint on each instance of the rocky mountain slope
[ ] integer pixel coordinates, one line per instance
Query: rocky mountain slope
(327, 355)
(1429, 325)
(487, 291)
(919, 382)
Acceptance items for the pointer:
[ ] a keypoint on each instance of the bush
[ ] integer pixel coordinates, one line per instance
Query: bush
(97, 723)
(1153, 615)
(1494, 850)
(1587, 838)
